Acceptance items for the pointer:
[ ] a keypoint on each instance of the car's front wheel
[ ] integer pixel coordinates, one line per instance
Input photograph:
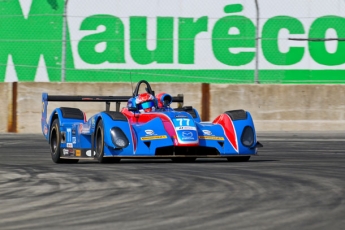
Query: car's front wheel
(100, 142)
(100, 146)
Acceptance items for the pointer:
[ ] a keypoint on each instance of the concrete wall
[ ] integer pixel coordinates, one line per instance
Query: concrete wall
(30, 98)
(284, 107)
(5, 105)
(273, 107)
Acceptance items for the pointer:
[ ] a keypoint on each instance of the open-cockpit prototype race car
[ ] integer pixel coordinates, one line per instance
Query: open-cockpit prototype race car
(178, 134)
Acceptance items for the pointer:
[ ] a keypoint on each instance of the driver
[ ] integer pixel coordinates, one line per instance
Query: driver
(145, 102)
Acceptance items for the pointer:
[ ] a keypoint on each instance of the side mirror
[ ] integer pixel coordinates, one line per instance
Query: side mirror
(166, 103)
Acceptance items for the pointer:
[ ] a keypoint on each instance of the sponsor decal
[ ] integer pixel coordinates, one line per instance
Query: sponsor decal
(73, 132)
(69, 135)
(207, 132)
(42, 107)
(69, 145)
(193, 40)
(212, 138)
(185, 128)
(65, 152)
(45, 130)
(181, 116)
(187, 135)
(88, 153)
(77, 153)
(84, 128)
(74, 140)
(149, 132)
(153, 137)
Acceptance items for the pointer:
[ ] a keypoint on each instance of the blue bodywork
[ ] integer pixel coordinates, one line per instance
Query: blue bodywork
(168, 132)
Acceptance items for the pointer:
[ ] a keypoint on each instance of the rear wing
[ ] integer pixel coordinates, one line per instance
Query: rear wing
(106, 99)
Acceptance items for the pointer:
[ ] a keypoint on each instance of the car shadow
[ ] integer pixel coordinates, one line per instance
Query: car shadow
(168, 161)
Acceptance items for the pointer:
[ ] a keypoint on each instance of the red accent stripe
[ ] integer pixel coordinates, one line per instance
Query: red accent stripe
(146, 117)
(85, 120)
(134, 138)
(229, 129)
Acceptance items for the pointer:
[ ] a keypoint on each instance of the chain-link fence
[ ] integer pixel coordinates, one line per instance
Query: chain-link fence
(224, 41)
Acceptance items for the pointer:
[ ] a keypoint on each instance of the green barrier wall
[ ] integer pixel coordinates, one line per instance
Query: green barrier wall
(173, 41)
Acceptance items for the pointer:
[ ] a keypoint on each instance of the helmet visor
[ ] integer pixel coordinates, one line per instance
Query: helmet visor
(146, 105)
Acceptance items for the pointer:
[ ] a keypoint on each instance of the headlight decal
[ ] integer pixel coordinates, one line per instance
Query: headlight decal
(247, 137)
(119, 138)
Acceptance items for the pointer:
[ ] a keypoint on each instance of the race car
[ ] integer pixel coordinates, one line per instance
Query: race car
(148, 127)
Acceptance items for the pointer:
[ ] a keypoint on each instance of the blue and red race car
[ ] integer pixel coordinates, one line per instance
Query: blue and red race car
(147, 128)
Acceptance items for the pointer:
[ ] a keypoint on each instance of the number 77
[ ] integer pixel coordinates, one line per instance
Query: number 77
(182, 121)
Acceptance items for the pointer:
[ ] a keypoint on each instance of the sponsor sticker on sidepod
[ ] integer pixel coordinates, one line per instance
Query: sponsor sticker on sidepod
(156, 137)
(207, 132)
(185, 128)
(149, 132)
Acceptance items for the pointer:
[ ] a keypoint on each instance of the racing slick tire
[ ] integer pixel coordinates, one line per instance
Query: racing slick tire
(183, 159)
(100, 146)
(238, 159)
(55, 142)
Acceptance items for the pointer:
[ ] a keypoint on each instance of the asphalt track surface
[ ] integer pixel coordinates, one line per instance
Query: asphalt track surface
(296, 182)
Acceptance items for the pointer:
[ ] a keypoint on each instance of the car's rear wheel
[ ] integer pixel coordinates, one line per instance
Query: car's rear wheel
(238, 159)
(55, 142)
